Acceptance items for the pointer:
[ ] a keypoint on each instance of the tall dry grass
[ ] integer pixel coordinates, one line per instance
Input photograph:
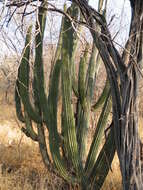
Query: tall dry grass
(21, 166)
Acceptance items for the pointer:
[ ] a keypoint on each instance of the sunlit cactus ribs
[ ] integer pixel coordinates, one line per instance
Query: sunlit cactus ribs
(68, 146)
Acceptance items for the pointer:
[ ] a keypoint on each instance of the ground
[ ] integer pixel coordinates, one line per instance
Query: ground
(21, 166)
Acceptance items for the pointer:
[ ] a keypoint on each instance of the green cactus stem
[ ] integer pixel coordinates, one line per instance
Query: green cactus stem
(68, 125)
(97, 139)
(29, 131)
(102, 97)
(18, 105)
(23, 80)
(103, 163)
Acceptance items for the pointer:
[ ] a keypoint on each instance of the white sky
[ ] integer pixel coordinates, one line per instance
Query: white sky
(121, 21)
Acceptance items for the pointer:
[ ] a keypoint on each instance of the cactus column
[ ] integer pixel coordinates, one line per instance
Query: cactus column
(67, 145)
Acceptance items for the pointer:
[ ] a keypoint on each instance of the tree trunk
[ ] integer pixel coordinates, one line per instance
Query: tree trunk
(129, 154)
(123, 73)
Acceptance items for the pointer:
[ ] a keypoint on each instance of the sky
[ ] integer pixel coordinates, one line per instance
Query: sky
(119, 8)
(121, 22)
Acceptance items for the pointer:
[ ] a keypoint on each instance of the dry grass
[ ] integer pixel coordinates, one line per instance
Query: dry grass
(113, 180)
(21, 166)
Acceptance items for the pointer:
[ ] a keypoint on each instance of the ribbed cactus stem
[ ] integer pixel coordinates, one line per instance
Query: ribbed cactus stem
(104, 161)
(29, 131)
(38, 64)
(18, 105)
(83, 122)
(82, 78)
(69, 121)
(23, 80)
(82, 129)
(102, 97)
(97, 139)
(71, 164)
(54, 138)
(59, 44)
(43, 145)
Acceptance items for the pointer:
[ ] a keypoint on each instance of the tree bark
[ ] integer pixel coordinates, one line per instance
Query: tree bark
(129, 154)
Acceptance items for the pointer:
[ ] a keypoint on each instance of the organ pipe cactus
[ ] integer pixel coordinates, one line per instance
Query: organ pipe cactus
(67, 147)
